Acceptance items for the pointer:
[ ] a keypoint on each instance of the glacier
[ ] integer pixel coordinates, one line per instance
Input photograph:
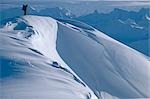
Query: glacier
(44, 58)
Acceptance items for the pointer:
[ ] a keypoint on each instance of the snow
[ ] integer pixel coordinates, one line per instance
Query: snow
(131, 23)
(147, 17)
(103, 63)
(90, 64)
(27, 69)
(105, 95)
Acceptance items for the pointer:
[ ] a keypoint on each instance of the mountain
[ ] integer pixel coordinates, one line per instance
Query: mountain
(15, 12)
(128, 27)
(125, 26)
(62, 59)
(57, 12)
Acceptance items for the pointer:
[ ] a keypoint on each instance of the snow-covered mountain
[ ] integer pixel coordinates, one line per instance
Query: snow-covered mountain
(128, 27)
(57, 12)
(15, 12)
(44, 58)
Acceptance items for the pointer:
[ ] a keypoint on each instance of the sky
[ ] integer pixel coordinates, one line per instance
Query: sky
(7, 1)
(72, 0)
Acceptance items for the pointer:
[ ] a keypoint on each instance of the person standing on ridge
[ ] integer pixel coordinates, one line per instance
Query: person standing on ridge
(24, 8)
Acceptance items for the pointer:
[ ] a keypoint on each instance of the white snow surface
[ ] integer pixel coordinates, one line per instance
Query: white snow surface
(90, 65)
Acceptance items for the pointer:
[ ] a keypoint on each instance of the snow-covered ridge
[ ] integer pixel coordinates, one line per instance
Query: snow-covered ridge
(50, 58)
(31, 67)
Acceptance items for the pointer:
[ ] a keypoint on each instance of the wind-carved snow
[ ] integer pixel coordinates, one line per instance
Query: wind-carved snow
(46, 59)
(28, 63)
(45, 40)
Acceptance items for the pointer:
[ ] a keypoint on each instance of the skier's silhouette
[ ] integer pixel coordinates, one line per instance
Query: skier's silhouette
(24, 8)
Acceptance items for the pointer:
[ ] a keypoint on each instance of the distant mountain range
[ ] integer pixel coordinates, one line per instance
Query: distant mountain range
(15, 12)
(56, 12)
(128, 27)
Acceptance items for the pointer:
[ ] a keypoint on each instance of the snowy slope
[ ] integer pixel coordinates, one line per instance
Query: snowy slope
(103, 63)
(27, 71)
(31, 44)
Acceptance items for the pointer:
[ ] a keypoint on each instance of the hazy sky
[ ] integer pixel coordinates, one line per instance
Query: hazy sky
(6, 1)
(73, 0)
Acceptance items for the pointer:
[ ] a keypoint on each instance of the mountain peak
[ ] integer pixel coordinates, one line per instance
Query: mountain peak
(38, 48)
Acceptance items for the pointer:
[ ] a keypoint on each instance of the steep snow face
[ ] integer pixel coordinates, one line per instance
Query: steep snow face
(103, 63)
(30, 66)
(46, 35)
(41, 58)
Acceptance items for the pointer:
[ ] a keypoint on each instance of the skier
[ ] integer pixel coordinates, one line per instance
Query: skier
(24, 8)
